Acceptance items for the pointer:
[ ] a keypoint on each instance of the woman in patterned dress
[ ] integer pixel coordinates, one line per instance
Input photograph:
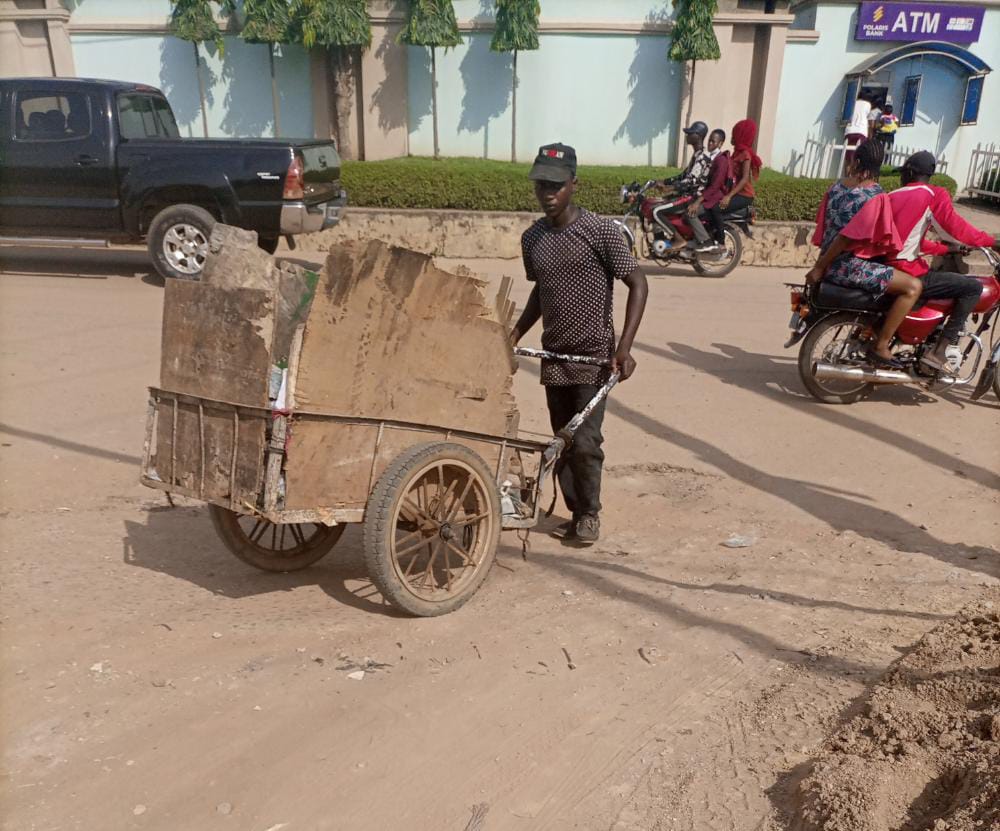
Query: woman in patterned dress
(854, 229)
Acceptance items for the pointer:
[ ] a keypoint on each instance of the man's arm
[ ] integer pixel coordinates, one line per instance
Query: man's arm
(529, 317)
(953, 227)
(638, 291)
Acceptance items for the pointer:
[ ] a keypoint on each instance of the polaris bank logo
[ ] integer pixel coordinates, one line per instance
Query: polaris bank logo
(919, 21)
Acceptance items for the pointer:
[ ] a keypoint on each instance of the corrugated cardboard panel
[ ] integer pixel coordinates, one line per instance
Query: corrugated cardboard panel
(391, 336)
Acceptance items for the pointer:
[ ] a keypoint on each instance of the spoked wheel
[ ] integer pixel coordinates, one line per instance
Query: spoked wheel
(720, 263)
(431, 528)
(273, 546)
(836, 339)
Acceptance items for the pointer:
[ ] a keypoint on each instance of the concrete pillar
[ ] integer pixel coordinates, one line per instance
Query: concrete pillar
(384, 94)
(769, 84)
(322, 104)
(34, 39)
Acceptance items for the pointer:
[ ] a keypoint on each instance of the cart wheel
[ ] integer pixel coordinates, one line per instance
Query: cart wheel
(431, 528)
(273, 546)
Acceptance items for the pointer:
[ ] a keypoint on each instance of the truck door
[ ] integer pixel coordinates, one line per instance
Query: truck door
(59, 174)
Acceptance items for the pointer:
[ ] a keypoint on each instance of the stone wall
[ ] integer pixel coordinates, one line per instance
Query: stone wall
(469, 235)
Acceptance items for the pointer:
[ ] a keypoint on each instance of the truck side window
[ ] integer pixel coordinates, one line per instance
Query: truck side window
(47, 116)
(145, 116)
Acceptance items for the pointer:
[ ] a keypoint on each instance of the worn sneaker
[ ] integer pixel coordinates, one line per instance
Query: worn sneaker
(953, 356)
(565, 530)
(588, 528)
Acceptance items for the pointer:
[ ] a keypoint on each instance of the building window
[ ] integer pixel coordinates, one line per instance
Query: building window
(973, 98)
(911, 92)
(850, 98)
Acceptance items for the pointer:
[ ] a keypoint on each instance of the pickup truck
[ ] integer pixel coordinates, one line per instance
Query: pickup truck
(94, 162)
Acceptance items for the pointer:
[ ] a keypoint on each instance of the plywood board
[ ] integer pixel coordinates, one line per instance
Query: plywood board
(392, 336)
(331, 465)
(217, 342)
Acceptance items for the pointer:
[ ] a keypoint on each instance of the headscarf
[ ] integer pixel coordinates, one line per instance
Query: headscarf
(744, 135)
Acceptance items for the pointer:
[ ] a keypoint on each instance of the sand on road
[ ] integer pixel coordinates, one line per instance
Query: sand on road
(152, 681)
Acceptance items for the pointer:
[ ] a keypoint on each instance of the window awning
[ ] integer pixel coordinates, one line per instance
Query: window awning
(972, 64)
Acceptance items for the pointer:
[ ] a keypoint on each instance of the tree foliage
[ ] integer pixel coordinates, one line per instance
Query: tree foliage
(693, 37)
(194, 21)
(267, 21)
(333, 23)
(431, 23)
(516, 26)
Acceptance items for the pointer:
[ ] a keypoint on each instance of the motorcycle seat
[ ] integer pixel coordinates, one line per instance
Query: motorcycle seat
(739, 215)
(832, 296)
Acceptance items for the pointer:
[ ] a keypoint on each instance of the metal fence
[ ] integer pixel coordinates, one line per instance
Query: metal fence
(984, 172)
(825, 159)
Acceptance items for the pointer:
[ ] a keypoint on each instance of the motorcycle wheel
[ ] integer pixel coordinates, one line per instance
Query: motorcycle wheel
(831, 340)
(722, 263)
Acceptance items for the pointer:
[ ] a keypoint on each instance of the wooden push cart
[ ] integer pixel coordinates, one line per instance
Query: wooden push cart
(283, 477)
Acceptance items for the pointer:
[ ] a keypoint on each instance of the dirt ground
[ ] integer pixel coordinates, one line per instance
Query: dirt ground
(658, 680)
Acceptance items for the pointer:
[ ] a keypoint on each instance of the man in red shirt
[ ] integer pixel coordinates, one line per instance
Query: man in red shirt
(917, 206)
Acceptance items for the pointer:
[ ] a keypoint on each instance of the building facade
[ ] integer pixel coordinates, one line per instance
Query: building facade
(931, 61)
(600, 80)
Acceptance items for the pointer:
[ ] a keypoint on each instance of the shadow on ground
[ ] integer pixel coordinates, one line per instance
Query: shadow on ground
(87, 263)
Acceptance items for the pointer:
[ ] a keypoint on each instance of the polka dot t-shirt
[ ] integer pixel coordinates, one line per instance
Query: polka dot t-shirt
(575, 269)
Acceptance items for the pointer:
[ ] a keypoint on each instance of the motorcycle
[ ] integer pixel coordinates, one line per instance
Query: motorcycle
(657, 229)
(836, 325)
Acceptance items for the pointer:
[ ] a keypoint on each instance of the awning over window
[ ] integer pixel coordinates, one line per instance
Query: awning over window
(972, 64)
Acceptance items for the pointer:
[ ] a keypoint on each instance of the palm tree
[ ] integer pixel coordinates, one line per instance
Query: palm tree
(516, 29)
(194, 21)
(431, 23)
(693, 37)
(268, 22)
(345, 27)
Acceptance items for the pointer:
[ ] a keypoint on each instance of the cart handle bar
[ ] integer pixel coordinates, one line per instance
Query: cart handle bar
(545, 355)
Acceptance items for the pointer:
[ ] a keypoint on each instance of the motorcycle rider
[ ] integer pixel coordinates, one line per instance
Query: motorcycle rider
(695, 175)
(708, 200)
(916, 206)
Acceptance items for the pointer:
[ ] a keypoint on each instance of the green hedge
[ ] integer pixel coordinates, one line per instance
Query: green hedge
(482, 185)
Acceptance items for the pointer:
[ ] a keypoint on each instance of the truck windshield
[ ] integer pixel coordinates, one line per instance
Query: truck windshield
(145, 116)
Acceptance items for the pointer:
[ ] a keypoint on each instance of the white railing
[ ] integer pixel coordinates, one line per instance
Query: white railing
(984, 172)
(825, 159)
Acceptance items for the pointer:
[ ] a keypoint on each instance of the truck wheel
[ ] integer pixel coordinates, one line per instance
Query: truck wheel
(267, 244)
(178, 241)
(431, 528)
(273, 547)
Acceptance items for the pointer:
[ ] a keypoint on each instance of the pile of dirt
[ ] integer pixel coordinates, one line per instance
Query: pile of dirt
(924, 752)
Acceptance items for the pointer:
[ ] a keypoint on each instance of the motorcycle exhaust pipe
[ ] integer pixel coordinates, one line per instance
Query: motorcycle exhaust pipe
(835, 372)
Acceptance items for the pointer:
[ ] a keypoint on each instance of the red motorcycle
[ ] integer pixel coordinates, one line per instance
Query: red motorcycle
(837, 325)
(657, 229)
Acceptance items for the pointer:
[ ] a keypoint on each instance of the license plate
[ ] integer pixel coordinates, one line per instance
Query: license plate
(795, 321)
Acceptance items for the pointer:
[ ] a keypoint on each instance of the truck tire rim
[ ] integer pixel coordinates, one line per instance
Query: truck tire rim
(185, 248)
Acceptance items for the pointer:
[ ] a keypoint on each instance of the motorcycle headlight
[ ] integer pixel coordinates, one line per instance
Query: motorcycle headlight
(625, 194)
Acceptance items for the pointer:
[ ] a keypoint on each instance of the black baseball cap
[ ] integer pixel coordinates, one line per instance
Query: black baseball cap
(699, 128)
(922, 163)
(554, 163)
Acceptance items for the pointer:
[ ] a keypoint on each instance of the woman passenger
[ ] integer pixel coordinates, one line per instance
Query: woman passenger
(854, 228)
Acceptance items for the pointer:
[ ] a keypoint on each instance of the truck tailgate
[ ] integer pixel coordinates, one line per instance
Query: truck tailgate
(321, 171)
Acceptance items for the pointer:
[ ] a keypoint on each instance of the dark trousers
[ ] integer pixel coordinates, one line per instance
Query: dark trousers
(579, 468)
(965, 291)
(737, 203)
